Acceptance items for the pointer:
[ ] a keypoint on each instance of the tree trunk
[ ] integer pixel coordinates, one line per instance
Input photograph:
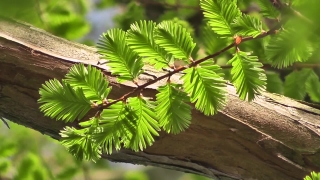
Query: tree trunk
(273, 137)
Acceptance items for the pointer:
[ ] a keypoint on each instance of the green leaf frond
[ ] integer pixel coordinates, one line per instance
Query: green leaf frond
(117, 125)
(314, 176)
(122, 60)
(140, 38)
(267, 9)
(80, 144)
(211, 41)
(247, 75)
(146, 123)
(288, 47)
(60, 101)
(206, 87)
(247, 25)
(313, 87)
(91, 80)
(172, 109)
(220, 14)
(295, 83)
(175, 40)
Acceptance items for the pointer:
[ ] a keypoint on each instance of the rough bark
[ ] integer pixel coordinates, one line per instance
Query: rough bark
(272, 137)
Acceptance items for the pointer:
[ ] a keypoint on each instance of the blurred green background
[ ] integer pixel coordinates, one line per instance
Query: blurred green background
(27, 154)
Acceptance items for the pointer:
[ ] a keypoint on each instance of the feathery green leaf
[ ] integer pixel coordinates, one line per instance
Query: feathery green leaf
(206, 87)
(211, 41)
(172, 109)
(247, 25)
(267, 9)
(60, 101)
(91, 80)
(117, 126)
(146, 123)
(174, 39)
(80, 144)
(220, 15)
(140, 38)
(288, 47)
(247, 75)
(122, 60)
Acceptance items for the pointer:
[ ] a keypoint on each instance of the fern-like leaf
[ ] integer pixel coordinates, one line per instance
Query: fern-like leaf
(117, 125)
(267, 9)
(247, 75)
(206, 88)
(211, 41)
(174, 39)
(80, 144)
(122, 60)
(314, 176)
(246, 25)
(172, 109)
(140, 39)
(60, 101)
(91, 80)
(288, 47)
(220, 15)
(146, 123)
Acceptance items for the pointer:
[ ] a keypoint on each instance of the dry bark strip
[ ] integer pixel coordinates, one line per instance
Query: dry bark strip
(272, 137)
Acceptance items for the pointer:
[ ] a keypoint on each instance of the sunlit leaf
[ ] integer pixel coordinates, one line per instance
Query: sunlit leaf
(206, 88)
(174, 39)
(172, 109)
(247, 75)
(60, 101)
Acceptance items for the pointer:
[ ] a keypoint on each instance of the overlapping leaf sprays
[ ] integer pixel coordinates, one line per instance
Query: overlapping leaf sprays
(133, 121)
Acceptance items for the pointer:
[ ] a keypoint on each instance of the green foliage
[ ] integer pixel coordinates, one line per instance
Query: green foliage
(274, 83)
(175, 40)
(246, 25)
(267, 9)
(94, 85)
(314, 176)
(62, 18)
(247, 75)
(60, 101)
(206, 87)
(123, 61)
(287, 48)
(133, 120)
(298, 82)
(211, 41)
(146, 124)
(140, 39)
(172, 109)
(220, 15)
(313, 87)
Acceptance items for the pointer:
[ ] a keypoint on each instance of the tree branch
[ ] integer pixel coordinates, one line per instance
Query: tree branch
(271, 137)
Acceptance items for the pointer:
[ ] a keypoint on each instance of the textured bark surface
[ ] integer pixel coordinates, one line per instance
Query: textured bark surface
(272, 137)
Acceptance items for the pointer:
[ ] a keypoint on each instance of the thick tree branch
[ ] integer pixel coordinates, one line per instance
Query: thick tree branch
(272, 137)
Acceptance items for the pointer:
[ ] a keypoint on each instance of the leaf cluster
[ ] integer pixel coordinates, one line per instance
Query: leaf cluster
(133, 121)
